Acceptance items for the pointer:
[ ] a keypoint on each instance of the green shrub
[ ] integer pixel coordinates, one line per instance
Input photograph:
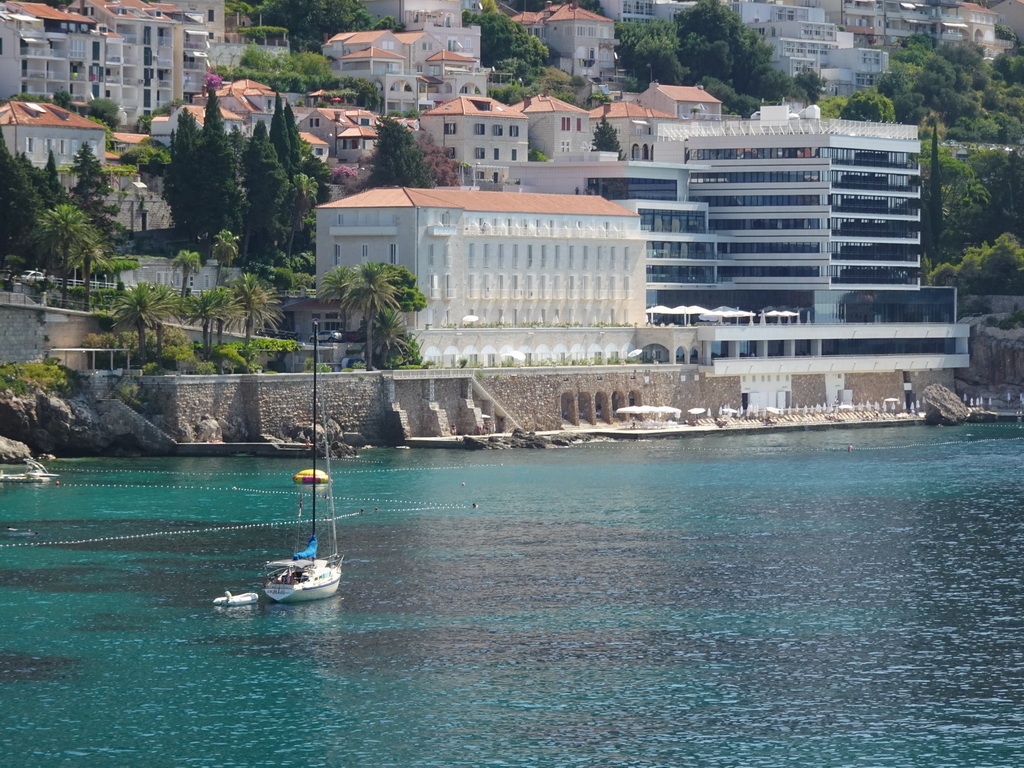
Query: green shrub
(153, 369)
(50, 376)
(206, 369)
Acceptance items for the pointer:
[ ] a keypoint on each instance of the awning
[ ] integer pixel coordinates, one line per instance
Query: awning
(954, 25)
(908, 6)
(639, 122)
(195, 32)
(28, 39)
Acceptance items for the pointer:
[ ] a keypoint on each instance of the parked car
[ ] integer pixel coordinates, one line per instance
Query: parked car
(31, 276)
(328, 337)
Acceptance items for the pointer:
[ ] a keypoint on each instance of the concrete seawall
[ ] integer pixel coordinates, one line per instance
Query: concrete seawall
(386, 408)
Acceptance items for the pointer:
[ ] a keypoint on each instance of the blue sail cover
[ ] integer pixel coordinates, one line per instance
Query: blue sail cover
(309, 552)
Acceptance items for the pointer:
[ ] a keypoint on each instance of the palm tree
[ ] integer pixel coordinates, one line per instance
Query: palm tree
(145, 306)
(258, 305)
(188, 262)
(390, 331)
(306, 188)
(370, 291)
(62, 233)
(91, 258)
(334, 287)
(224, 250)
(208, 308)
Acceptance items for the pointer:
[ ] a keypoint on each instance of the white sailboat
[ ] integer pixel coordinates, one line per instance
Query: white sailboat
(309, 575)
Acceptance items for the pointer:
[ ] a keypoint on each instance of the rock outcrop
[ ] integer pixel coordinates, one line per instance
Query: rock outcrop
(13, 452)
(520, 439)
(943, 407)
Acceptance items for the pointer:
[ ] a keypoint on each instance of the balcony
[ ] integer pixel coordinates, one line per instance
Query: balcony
(113, 61)
(33, 74)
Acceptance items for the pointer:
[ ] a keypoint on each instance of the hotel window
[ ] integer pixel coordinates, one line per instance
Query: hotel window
(513, 130)
(543, 257)
(450, 129)
(430, 256)
(63, 146)
(498, 130)
(480, 153)
(365, 251)
(487, 255)
(515, 155)
(558, 257)
(393, 253)
(472, 256)
(337, 254)
(497, 154)
(515, 256)
(586, 255)
(501, 256)
(480, 129)
(30, 144)
(566, 123)
(566, 146)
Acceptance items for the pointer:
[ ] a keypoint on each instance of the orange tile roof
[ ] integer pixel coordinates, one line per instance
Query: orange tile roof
(532, 104)
(43, 11)
(975, 8)
(199, 113)
(372, 53)
(492, 202)
(468, 105)
(129, 138)
(21, 113)
(360, 131)
(628, 109)
(245, 88)
(565, 12)
(687, 93)
(358, 38)
(309, 138)
(450, 56)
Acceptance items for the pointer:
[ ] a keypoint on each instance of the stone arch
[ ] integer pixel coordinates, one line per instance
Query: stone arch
(542, 353)
(647, 152)
(577, 353)
(681, 354)
(618, 401)
(694, 356)
(586, 408)
(595, 353)
(560, 353)
(635, 397)
(656, 352)
(634, 153)
(602, 408)
(567, 407)
(489, 356)
(449, 357)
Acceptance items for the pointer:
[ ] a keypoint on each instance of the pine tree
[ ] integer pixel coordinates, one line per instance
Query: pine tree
(91, 191)
(398, 159)
(606, 139)
(19, 206)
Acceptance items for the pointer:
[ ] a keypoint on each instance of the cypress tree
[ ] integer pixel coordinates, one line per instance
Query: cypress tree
(279, 135)
(605, 138)
(182, 178)
(19, 206)
(294, 142)
(218, 191)
(266, 185)
(91, 191)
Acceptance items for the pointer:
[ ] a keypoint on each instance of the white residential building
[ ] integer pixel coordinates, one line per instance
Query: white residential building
(579, 41)
(557, 129)
(505, 258)
(480, 132)
(36, 130)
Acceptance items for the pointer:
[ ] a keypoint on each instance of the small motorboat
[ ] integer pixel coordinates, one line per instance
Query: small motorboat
(245, 598)
(36, 473)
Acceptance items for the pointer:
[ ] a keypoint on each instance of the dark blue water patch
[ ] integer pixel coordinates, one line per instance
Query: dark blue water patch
(20, 667)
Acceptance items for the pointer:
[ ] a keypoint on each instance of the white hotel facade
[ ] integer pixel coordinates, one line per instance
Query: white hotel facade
(781, 213)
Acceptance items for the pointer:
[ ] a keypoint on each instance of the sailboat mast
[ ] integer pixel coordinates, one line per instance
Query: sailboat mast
(316, 364)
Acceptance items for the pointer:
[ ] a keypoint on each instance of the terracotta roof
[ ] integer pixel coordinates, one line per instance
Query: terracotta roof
(534, 104)
(474, 105)
(687, 93)
(199, 113)
(628, 109)
(450, 56)
(43, 11)
(31, 113)
(359, 38)
(470, 200)
(372, 53)
(309, 138)
(358, 131)
(975, 8)
(129, 138)
(566, 12)
(245, 88)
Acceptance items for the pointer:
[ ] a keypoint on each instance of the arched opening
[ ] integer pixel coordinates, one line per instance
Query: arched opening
(568, 409)
(647, 152)
(635, 397)
(694, 356)
(634, 153)
(586, 408)
(680, 354)
(618, 401)
(601, 410)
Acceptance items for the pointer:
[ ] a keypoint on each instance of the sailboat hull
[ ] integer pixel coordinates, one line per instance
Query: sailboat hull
(321, 584)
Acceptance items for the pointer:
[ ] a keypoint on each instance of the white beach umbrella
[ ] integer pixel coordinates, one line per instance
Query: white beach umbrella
(635, 353)
(470, 319)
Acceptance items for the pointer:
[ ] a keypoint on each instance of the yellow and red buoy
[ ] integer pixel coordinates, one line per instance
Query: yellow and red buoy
(311, 477)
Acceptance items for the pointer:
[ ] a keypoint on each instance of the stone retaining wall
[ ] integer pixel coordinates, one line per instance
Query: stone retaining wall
(384, 410)
(28, 330)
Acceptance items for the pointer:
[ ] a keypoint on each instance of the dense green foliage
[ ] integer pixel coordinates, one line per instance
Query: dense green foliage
(507, 47)
(398, 161)
(22, 378)
(308, 21)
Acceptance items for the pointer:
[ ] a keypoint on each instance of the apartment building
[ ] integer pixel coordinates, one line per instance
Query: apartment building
(46, 50)
(349, 135)
(636, 127)
(516, 259)
(480, 132)
(804, 40)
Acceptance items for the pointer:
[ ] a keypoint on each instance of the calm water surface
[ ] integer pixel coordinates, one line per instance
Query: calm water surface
(774, 600)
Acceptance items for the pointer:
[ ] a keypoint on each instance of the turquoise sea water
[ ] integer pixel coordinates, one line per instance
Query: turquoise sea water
(774, 600)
